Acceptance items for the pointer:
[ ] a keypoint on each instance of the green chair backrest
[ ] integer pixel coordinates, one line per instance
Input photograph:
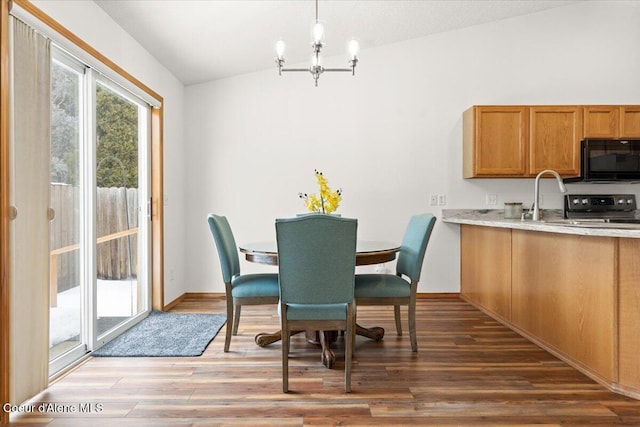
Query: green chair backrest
(316, 259)
(226, 245)
(414, 245)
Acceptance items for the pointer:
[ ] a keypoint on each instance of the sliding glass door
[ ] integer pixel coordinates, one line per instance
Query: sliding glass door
(66, 325)
(121, 138)
(99, 235)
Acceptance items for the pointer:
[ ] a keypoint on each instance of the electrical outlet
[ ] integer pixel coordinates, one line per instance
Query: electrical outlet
(433, 200)
(491, 199)
(442, 199)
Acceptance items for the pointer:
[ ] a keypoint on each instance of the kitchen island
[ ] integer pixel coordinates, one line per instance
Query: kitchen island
(573, 290)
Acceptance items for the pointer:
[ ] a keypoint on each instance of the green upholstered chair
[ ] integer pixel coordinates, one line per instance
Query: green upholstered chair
(248, 289)
(389, 289)
(316, 267)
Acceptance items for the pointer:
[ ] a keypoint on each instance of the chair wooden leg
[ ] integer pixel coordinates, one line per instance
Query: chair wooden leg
(236, 319)
(412, 323)
(355, 330)
(396, 311)
(348, 343)
(227, 337)
(285, 360)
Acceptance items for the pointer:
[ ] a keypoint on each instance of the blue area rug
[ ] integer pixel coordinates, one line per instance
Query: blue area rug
(164, 334)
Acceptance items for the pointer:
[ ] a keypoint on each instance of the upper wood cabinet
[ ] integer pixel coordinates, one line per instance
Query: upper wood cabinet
(495, 141)
(601, 121)
(554, 139)
(630, 121)
(612, 121)
(520, 141)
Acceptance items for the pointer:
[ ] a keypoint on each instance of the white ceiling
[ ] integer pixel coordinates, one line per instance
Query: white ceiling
(203, 40)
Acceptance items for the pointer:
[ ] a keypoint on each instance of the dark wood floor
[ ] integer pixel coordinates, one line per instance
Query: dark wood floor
(470, 370)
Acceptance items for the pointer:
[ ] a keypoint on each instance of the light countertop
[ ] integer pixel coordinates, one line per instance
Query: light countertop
(495, 218)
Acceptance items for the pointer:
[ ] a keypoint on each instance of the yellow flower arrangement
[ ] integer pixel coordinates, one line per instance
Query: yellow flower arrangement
(327, 201)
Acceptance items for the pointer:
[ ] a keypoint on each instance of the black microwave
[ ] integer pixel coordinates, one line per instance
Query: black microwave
(607, 160)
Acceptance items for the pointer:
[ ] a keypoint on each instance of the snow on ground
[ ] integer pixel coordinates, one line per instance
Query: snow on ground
(116, 298)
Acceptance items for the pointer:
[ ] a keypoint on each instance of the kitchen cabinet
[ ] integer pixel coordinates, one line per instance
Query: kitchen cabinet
(495, 141)
(486, 268)
(554, 139)
(630, 121)
(601, 121)
(563, 295)
(577, 296)
(520, 141)
(612, 121)
(629, 315)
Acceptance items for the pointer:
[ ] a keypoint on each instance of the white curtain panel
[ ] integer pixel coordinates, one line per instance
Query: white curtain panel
(30, 151)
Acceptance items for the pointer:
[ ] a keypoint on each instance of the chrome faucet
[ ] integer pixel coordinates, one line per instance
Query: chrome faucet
(536, 192)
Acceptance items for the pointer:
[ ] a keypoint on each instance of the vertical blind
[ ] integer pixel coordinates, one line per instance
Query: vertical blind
(30, 147)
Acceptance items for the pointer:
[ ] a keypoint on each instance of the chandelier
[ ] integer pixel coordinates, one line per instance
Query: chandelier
(316, 67)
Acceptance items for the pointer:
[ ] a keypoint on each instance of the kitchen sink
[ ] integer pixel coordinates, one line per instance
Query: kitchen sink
(591, 223)
(569, 221)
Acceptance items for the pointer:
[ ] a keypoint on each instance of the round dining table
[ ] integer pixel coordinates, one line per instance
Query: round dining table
(368, 252)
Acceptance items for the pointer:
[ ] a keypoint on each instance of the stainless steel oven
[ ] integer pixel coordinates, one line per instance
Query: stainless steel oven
(612, 208)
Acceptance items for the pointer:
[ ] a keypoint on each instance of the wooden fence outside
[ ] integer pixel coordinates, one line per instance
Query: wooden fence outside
(117, 211)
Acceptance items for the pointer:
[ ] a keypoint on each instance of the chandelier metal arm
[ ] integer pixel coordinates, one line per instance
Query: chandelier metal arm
(317, 70)
(323, 70)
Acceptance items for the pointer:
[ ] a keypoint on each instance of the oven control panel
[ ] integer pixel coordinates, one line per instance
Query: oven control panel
(599, 205)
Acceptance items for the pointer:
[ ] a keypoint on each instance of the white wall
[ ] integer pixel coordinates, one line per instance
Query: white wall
(94, 26)
(392, 135)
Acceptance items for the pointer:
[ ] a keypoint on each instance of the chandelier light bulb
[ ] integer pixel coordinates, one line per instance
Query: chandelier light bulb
(354, 47)
(315, 61)
(280, 48)
(318, 33)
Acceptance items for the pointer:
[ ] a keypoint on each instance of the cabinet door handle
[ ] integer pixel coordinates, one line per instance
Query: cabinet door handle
(51, 214)
(13, 212)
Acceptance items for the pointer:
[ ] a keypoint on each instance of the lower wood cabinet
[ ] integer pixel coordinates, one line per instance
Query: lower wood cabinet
(563, 294)
(576, 296)
(486, 268)
(629, 315)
